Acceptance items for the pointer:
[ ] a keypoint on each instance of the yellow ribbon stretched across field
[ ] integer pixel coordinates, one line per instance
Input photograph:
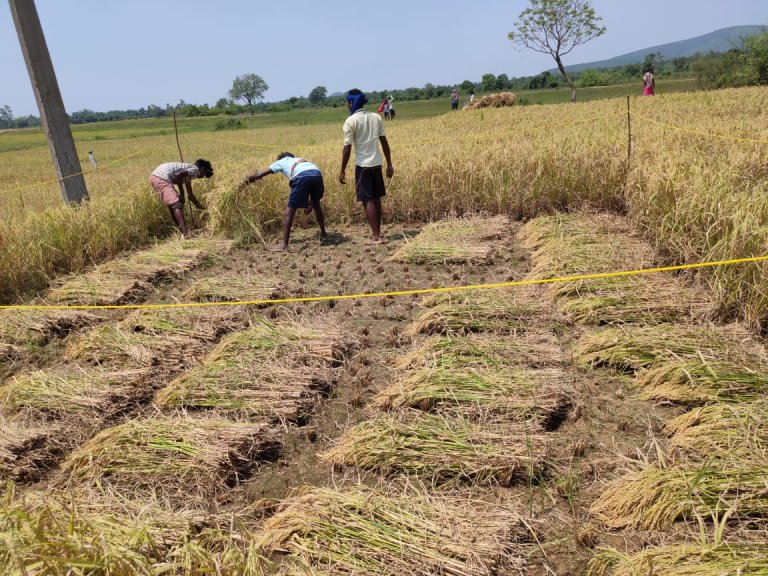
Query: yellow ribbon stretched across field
(399, 292)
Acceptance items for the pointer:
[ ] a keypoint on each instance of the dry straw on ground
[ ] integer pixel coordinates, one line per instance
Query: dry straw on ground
(654, 498)
(441, 449)
(18, 442)
(541, 397)
(725, 431)
(370, 533)
(38, 327)
(496, 310)
(473, 240)
(178, 458)
(234, 289)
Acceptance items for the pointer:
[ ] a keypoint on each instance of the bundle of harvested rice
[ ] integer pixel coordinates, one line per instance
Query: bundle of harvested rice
(699, 381)
(498, 100)
(540, 397)
(97, 533)
(71, 391)
(179, 458)
(484, 351)
(37, 327)
(573, 228)
(364, 532)
(631, 349)
(129, 279)
(725, 431)
(198, 323)
(455, 240)
(234, 289)
(441, 449)
(246, 387)
(23, 448)
(654, 498)
(730, 559)
(115, 346)
(478, 311)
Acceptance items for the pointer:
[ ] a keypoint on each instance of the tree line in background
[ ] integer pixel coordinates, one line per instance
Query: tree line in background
(746, 65)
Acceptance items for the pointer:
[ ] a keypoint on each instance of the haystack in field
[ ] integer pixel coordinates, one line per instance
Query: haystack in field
(495, 310)
(736, 431)
(177, 458)
(498, 100)
(636, 348)
(234, 289)
(532, 349)
(24, 448)
(364, 532)
(129, 279)
(539, 397)
(38, 327)
(654, 498)
(441, 449)
(730, 558)
(472, 240)
(269, 370)
(94, 532)
(71, 391)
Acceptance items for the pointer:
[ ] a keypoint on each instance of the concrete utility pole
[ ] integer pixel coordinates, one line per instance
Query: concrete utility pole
(52, 113)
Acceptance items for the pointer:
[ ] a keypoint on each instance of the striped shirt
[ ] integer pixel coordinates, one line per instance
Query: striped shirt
(169, 170)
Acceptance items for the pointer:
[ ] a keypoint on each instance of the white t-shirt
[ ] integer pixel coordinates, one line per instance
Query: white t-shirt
(363, 129)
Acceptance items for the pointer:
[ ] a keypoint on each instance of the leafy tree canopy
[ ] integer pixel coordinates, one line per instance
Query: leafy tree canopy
(248, 87)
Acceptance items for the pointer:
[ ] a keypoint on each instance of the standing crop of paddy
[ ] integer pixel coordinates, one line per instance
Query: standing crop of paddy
(729, 558)
(654, 498)
(540, 397)
(441, 449)
(178, 458)
(410, 531)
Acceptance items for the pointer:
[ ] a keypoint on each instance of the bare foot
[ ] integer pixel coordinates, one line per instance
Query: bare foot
(280, 248)
(379, 240)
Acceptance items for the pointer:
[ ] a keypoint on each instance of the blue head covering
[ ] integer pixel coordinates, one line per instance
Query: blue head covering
(357, 99)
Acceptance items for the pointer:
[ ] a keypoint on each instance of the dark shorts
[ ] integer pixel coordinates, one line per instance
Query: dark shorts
(308, 184)
(369, 183)
(454, 105)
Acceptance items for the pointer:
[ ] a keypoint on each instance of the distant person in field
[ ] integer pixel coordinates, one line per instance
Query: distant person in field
(179, 174)
(649, 83)
(387, 110)
(92, 158)
(391, 108)
(306, 184)
(454, 100)
(365, 130)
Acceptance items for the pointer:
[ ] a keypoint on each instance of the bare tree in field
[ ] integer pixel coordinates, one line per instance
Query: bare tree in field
(556, 27)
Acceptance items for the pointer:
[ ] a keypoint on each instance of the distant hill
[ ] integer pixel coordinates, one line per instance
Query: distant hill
(718, 41)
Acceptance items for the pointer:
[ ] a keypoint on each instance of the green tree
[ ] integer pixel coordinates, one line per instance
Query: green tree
(468, 86)
(757, 57)
(6, 117)
(556, 27)
(248, 87)
(318, 95)
(488, 83)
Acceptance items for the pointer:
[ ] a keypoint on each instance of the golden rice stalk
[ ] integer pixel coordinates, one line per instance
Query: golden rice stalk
(129, 279)
(92, 532)
(178, 457)
(477, 311)
(537, 396)
(71, 391)
(24, 327)
(455, 240)
(114, 347)
(364, 532)
(698, 381)
(246, 387)
(631, 349)
(724, 431)
(654, 498)
(484, 351)
(441, 449)
(730, 559)
(207, 323)
(573, 227)
(234, 289)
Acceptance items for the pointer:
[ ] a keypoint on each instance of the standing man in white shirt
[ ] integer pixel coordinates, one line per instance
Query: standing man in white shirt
(365, 130)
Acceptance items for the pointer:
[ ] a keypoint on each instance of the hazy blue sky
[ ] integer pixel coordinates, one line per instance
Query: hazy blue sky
(117, 55)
